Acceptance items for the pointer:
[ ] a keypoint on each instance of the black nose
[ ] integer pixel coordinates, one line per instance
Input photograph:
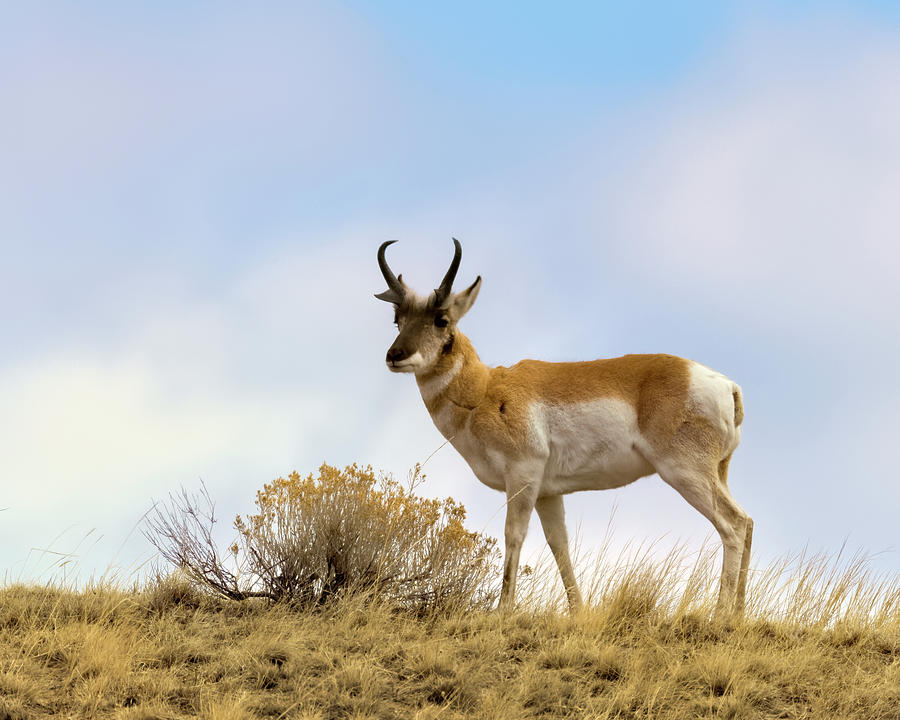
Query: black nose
(396, 354)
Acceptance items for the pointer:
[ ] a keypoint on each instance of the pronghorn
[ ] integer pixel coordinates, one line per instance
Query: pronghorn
(539, 430)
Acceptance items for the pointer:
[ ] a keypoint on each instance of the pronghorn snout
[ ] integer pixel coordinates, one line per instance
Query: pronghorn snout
(400, 359)
(395, 355)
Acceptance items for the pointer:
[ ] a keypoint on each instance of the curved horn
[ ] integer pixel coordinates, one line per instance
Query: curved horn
(443, 292)
(395, 291)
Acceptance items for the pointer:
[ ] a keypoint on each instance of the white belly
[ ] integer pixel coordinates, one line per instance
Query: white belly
(591, 446)
(586, 446)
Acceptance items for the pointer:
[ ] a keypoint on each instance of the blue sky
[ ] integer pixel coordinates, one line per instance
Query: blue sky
(191, 196)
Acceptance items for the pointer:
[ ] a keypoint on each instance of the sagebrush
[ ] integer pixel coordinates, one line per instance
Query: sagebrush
(314, 538)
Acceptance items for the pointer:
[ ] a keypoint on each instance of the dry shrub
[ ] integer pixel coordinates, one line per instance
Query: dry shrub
(316, 538)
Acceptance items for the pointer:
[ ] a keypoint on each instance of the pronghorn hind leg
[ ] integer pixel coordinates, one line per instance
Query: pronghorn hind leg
(702, 489)
(740, 599)
(553, 519)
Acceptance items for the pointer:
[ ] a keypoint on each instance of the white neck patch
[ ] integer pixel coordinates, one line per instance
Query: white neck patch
(433, 387)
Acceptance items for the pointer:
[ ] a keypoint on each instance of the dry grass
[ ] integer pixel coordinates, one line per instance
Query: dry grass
(821, 640)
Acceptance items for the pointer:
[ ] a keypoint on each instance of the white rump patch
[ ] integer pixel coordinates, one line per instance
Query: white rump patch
(712, 396)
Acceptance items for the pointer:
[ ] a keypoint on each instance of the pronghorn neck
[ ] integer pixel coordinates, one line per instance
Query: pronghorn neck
(458, 377)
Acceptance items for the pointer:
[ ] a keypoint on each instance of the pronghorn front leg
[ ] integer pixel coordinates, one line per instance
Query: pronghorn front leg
(520, 499)
(553, 519)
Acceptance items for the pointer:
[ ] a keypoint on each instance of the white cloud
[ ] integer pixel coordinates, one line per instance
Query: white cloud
(92, 440)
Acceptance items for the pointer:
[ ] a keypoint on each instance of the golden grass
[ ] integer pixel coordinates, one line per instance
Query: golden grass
(821, 639)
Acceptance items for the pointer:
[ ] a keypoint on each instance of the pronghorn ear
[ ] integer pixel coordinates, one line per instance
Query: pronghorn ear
(395, 295)
(460, 302)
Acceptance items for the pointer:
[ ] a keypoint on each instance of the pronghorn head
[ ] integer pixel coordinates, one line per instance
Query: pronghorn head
(427, 325)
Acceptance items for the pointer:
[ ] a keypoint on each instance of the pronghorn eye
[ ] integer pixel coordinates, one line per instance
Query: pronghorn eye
(440, 321)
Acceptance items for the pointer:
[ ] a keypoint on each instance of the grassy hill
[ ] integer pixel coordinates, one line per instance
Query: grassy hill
(362, 600)
(167, 651)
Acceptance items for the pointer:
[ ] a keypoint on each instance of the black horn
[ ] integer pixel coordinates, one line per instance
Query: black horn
(395, 291)
(443, 292)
